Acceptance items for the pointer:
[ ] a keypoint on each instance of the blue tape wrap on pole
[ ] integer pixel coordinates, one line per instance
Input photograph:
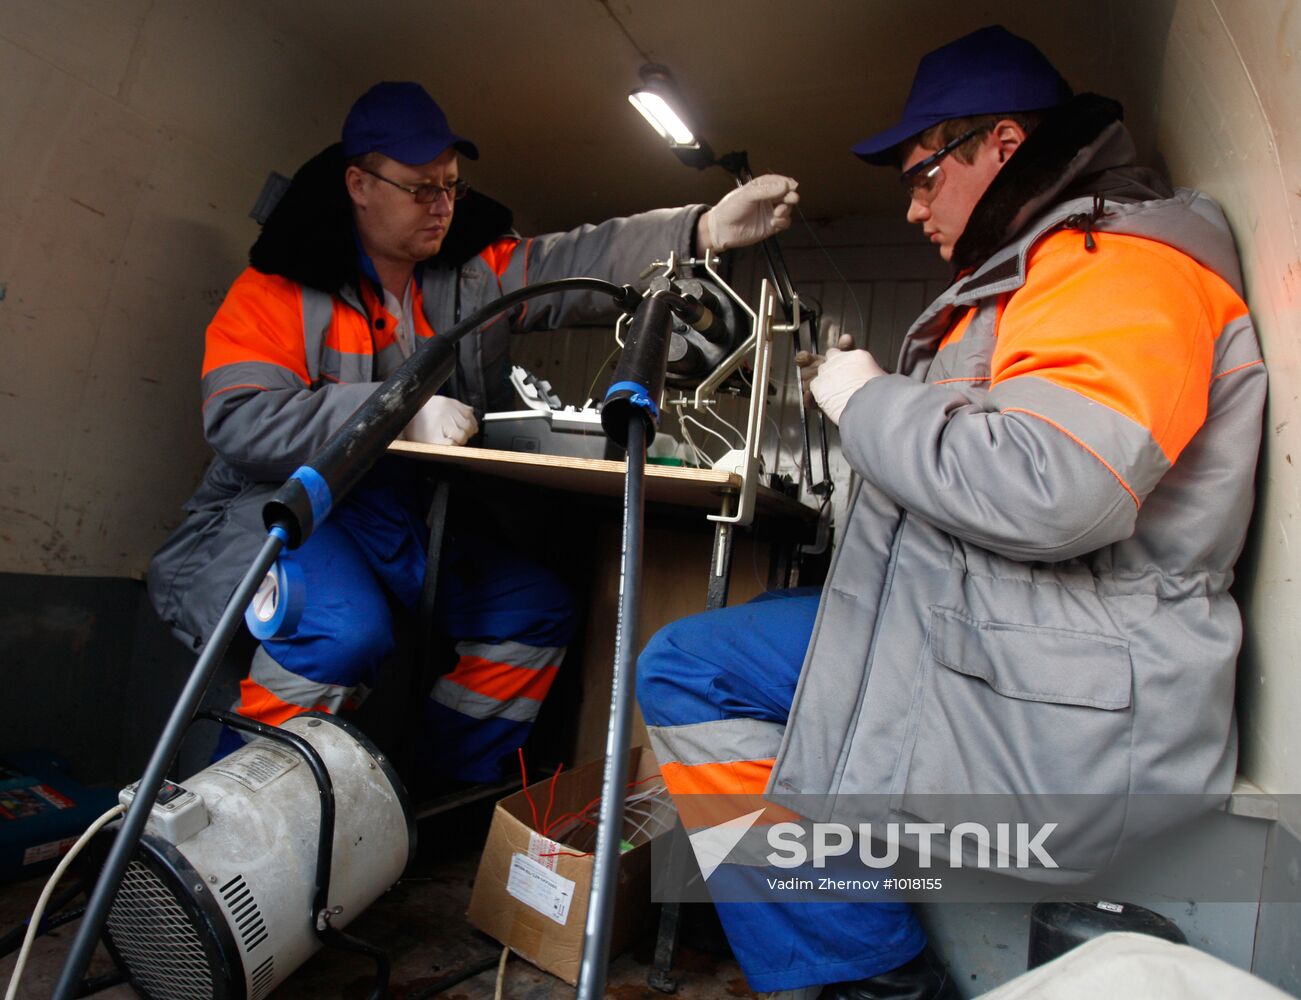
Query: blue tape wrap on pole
(318, 492)
(640, 397)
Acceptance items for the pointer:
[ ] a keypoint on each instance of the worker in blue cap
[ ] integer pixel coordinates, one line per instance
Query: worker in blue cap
(1028, 606)
(378, 244)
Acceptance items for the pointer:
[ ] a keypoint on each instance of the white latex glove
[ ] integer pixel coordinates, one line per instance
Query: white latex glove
(809, 363)
(842, 374)
(754, 211)
(442, 420)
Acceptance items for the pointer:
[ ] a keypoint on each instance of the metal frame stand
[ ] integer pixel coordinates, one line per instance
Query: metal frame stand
(660, 976)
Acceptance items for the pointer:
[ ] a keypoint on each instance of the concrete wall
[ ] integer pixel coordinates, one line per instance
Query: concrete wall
(1224, 80)
(136, 136)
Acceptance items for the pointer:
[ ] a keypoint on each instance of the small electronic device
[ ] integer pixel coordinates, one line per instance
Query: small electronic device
(545, 426)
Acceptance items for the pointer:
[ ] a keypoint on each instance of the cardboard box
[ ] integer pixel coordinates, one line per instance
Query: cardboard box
(533, 898)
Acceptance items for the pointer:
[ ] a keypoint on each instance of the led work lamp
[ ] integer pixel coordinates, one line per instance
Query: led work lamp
(660, 104)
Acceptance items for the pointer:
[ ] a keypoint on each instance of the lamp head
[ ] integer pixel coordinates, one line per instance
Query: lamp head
(658, 101)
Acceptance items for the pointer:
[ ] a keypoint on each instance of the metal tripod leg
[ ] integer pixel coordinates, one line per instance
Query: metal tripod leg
(720, 575)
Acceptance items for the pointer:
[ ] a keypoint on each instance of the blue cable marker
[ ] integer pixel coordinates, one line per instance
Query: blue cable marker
(277, 605)
(640, 397)
(318, 492)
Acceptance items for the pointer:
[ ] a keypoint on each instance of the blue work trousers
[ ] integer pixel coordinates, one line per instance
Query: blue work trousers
(743, 663)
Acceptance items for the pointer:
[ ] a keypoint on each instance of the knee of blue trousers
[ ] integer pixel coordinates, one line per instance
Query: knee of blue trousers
(673, 683)
(555, 611)
(504, 598)
(345, 653)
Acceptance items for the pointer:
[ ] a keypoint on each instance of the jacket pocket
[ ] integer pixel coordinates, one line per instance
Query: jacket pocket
(1023, 724)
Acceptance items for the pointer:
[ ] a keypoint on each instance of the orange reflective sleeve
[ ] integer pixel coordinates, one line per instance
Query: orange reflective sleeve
(261, 321)
(1131, 326)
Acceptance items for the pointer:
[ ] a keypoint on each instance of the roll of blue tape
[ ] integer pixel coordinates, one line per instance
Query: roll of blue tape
(277, 605)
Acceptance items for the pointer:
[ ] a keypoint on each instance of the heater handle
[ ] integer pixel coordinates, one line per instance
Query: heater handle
(321, 912)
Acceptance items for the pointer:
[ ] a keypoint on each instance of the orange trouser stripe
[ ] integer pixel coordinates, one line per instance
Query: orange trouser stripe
(501, 680)
(733, 777)
(709, 794)
(260, 705)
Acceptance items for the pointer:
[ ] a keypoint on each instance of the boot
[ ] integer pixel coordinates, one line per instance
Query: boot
(923, 978)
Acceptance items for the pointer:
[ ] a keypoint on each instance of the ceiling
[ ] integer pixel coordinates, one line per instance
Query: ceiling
(541, 85)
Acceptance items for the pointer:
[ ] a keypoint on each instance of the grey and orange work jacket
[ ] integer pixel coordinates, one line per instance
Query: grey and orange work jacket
(301, 341)
(1028, 614)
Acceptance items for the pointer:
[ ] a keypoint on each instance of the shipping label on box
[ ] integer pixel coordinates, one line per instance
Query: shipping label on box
(531, 892)
(539, 887)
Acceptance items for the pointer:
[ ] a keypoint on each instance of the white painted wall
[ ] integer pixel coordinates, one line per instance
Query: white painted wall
(1222, 80)
(135, 137)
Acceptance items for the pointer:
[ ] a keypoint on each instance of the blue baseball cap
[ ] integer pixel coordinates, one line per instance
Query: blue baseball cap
(403, 122)
(986, 72)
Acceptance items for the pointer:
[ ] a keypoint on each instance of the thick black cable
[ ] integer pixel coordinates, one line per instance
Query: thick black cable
(89, 987)
(309, 494)
(457, 976)
(137, 814)
(13, 939)
(286, 528)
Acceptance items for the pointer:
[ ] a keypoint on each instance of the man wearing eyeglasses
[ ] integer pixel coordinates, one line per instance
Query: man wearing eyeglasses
(1030, 592)
(376, 246)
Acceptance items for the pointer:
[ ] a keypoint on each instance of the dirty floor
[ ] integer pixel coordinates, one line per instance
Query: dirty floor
(421, 923)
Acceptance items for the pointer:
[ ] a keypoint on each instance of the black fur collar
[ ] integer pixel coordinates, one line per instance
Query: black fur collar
(309, 236)
(1080, 148)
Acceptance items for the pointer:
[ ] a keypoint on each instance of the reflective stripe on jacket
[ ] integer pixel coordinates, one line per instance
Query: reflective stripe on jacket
(286, 365)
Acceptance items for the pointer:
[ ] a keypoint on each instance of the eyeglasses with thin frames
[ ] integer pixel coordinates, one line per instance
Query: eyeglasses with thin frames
(922, 181)
(426, 194)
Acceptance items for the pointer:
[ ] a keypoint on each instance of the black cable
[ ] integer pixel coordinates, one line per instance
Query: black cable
(285, 525)
(13, 939)
(336, 938)
(311, 492)
(133, 825)
(99, 984)
(444, 983)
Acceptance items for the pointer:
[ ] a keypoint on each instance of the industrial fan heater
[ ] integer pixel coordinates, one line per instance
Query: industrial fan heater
(228, 891)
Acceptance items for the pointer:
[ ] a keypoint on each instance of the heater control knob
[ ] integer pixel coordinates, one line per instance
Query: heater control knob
(177, 814)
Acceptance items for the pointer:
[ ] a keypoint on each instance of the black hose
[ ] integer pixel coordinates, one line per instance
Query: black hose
(89, 987)
(13, 939)
(311, 492)
(110, 876)
(338, 466)
(455, 978)
(336, 938)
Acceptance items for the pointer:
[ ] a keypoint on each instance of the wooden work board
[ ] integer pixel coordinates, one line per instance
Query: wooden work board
(677, 549)
(677, 485)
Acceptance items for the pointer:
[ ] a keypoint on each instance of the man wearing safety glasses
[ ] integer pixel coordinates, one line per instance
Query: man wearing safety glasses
(1029, 597)
(377, 245)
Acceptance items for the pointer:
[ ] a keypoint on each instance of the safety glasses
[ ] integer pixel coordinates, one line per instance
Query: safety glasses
(922, 181)
(427, 194)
